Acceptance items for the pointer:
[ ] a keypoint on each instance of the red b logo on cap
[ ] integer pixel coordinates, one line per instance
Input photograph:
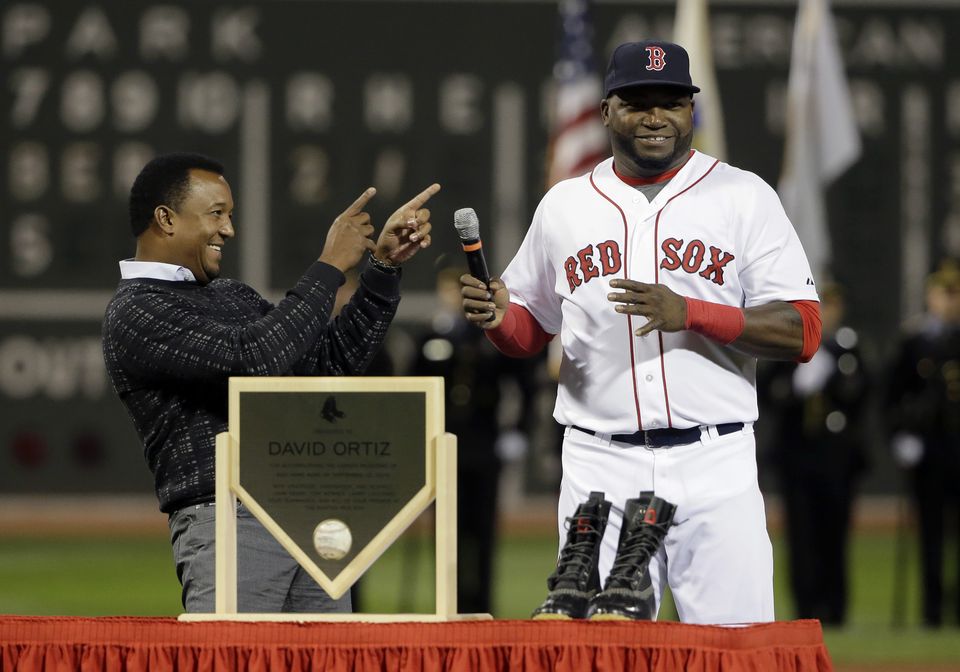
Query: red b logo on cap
(658, 58)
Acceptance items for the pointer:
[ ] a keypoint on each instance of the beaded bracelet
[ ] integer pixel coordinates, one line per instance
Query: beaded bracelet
(386, 268)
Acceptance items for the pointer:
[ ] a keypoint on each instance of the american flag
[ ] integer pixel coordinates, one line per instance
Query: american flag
(578, 140)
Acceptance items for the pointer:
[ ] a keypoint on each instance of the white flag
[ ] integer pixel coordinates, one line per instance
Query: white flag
(691, 30)
(822, 135)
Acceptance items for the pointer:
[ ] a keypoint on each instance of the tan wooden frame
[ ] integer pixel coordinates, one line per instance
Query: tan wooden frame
(440, 486)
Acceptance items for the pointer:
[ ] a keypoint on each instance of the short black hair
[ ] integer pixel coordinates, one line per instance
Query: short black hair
(164, 181)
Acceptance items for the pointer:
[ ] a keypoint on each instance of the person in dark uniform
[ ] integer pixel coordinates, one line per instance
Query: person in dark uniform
(474, 375)
(819, 455)
(923, 411)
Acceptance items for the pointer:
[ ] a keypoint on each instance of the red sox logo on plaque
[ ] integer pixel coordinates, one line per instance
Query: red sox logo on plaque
(658, 58)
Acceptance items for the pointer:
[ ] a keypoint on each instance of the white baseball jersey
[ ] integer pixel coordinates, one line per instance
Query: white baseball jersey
(715, 233)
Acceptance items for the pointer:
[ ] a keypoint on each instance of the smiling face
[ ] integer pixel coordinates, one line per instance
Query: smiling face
(198, 228)
(650, 127)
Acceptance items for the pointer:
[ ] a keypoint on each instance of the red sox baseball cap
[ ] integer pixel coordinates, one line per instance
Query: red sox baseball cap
(648, 63)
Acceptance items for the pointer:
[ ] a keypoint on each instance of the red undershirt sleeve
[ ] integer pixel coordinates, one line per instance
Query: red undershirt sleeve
(812, 326)
(519, 334)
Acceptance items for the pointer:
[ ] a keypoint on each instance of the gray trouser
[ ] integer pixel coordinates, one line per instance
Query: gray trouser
(269, 580)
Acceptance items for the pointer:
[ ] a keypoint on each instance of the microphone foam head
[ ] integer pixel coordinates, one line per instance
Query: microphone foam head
(467, 224)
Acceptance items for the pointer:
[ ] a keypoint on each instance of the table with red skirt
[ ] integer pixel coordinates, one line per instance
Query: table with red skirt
(142, 644)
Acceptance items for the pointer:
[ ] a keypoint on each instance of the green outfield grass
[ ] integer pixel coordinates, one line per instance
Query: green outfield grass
(95, 576)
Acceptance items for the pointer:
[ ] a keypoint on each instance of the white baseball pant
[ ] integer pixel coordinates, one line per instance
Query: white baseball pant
(717, 556)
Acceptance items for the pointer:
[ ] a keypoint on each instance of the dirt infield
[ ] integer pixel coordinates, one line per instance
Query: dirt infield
(87, 514)
(138, 514)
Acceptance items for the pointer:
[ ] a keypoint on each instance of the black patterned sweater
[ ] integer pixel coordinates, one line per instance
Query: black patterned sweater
(170, 347)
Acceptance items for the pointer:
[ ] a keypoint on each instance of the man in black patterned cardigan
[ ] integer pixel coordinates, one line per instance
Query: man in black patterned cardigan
(173, 334)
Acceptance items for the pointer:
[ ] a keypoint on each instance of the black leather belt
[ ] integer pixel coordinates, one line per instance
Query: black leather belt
(659, 438)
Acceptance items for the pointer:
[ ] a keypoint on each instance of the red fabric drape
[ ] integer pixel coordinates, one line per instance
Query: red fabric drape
(35, 644)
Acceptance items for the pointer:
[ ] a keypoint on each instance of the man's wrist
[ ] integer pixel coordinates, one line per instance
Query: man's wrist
(717, 321)
(384, 266)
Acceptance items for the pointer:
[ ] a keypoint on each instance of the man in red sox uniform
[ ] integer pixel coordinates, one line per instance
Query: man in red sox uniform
(666, 273)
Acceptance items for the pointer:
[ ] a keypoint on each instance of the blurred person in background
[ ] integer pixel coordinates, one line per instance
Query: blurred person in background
(174, 333)
(923, 412)
(818, 449)
(476, 377)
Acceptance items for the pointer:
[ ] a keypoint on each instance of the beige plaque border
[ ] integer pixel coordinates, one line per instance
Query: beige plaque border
(440, 486)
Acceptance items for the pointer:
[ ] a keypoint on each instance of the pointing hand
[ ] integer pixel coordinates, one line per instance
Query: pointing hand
(407, 231)
(349, 235)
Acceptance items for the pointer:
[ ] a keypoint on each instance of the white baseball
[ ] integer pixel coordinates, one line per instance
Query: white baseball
(332, 539)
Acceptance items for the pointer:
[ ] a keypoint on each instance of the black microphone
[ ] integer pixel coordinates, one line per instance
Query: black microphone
(468, 229)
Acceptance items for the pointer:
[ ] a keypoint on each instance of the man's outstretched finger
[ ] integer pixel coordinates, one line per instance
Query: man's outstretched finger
(358, 205)
(414, 203)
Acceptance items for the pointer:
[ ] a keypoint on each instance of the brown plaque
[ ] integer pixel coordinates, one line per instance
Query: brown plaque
(332, 469)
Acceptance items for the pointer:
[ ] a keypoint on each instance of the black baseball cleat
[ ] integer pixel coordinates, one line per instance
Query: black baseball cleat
(628, 591)
(576, 578)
